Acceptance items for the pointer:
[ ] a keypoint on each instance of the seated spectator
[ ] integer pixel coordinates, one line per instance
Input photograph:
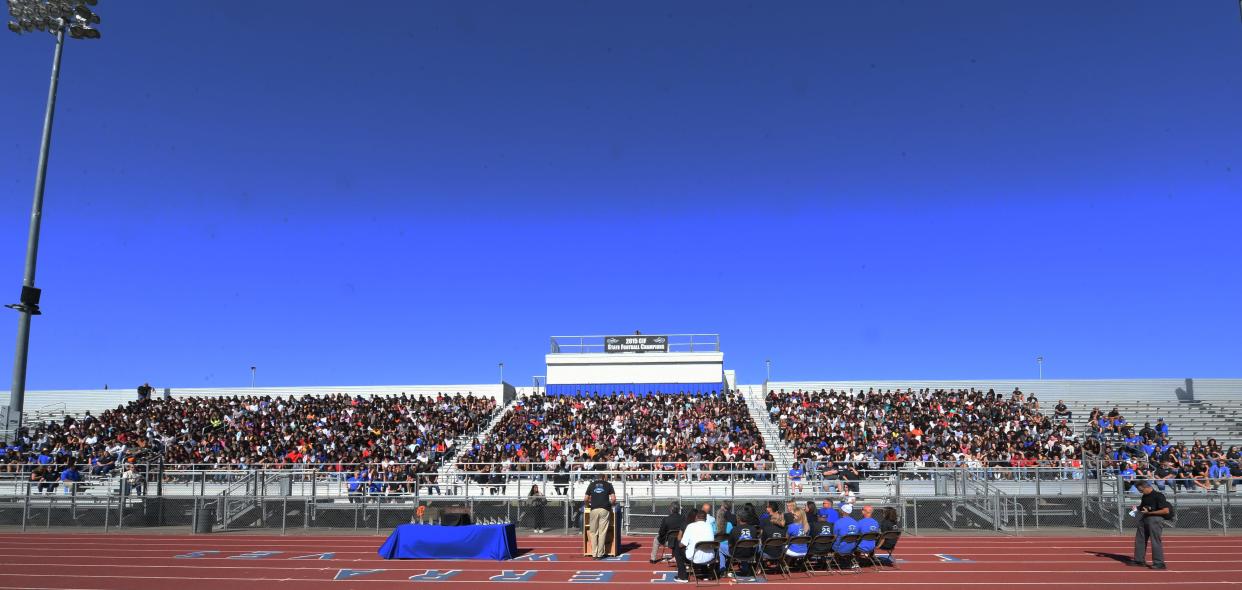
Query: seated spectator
(695, 533)
(828, 514)
(797, 527)
(69, 478)
(1062, 411)
(747, 530)
(867, 524)
(845, 525)
(673, 523)
(774, 529)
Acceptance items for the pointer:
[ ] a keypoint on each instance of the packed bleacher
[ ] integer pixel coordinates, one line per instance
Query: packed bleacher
(920, 428)
(675, 432)
(880, 431)
(257, 432)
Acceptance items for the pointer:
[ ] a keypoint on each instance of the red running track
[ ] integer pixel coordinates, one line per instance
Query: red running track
(245, 562)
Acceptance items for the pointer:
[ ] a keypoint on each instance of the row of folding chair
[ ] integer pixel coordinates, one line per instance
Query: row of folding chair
(773, 551)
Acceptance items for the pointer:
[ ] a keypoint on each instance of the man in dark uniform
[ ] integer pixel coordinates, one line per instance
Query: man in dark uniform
(1153, 511)
(673, 523)
(599, 500)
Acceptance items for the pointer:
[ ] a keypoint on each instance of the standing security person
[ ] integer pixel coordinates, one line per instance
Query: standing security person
(599, 500)
(1152, 513)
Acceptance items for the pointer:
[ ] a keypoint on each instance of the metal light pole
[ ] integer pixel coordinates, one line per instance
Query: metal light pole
(1040, 360)
(252, 377)
(768, 370)
(502, 373)
(55, 17)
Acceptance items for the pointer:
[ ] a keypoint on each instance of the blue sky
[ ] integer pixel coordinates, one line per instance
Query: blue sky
(853, 189)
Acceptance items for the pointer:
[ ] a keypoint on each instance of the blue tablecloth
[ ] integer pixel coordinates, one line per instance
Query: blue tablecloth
(423, 541)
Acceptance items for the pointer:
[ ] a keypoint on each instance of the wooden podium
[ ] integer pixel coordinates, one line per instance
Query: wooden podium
(614, 533)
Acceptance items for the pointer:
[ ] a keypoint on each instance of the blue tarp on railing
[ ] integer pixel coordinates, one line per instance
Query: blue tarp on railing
(609, 389)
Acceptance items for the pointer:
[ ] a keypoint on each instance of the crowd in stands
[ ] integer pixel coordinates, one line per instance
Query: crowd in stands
(691, 434)
(779, 538)
(1148, 453)
(397, 436)
(889, 429)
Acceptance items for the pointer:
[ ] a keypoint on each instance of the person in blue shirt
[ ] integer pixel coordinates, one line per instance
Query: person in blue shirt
(357, 485)
(828, 514)
(1127, 477)
(70, 477)
(795, 477)
(1162, 428)
(867, 524)
(797, 528)
(845, 525)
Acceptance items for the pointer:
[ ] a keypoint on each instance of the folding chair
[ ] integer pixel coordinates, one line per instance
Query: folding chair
(775, 547)
(670, 539)
(705, 547)
(848, 539)
(804, 560)
(744, 547)
(890, 538)
(874, 537)
(820, 549)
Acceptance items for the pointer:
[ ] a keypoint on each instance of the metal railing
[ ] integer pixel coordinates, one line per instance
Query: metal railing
(596, 344)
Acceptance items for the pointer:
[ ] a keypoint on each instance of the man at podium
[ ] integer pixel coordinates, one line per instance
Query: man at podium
(600, 498)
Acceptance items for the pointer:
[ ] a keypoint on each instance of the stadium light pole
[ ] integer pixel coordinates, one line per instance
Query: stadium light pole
(767, 365)
(55, 17)
(252, 369)
(1040, 359)
(502, 373)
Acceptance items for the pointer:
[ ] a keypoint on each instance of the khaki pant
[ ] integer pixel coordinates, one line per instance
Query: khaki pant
(599, 531)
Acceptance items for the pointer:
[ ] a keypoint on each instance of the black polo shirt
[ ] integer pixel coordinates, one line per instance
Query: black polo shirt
(599, 492)
(1155, 501)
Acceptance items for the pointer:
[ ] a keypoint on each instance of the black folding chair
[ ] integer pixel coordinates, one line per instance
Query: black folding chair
(820, 549)
(888, 542)
(869, 555)
(790, 559)
(742, 548)
(841, 557)
(669, 540)
(774, 551)
(705, 547)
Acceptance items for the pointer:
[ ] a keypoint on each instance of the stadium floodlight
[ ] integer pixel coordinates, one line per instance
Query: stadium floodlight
(1040, 359)
(55, 17)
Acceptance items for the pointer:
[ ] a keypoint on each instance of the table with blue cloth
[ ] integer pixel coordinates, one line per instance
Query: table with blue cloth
(424, 541)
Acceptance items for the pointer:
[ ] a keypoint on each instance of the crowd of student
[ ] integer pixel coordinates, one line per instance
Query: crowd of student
(776, 538)
(390, 434)
(695, 435)
(1147, 453)
(889, 429)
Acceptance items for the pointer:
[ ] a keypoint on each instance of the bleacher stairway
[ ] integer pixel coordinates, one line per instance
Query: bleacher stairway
(781, 452)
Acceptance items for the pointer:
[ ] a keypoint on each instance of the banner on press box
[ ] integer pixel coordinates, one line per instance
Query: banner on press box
(636, 344)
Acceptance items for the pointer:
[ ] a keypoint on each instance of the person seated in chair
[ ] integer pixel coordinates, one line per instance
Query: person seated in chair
(774, 529)
(696, 532)
(798, 527)
(674, 522)
(746, 530)
(845, 525)
(867, 524)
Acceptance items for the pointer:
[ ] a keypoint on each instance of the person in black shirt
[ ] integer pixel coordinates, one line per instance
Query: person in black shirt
(1153, 510)
(812, 516)
(745, 530)
(560, 478)
(599, 500)
(774, 529)
(673, 523)
(1061, 410)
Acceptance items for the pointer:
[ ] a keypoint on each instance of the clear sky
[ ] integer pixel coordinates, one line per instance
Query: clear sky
(866, 189)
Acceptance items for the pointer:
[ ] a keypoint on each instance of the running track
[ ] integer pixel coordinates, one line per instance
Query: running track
(151, 562)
